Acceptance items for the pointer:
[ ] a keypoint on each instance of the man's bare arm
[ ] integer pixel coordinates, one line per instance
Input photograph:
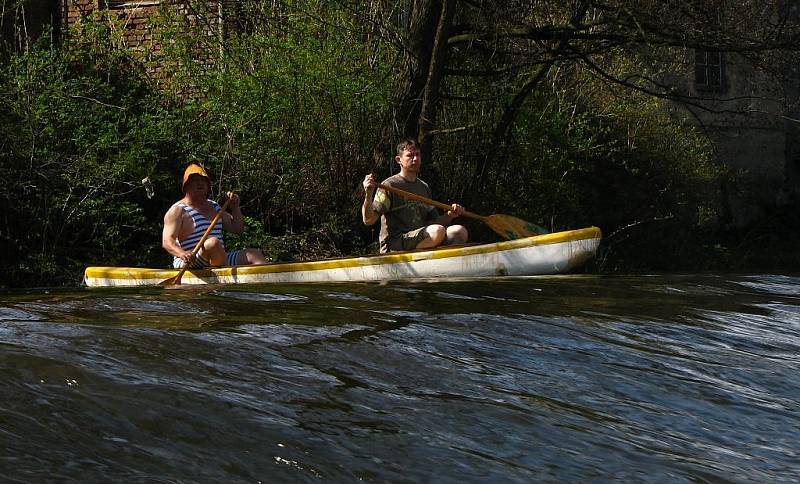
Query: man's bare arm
(368, 214)
(233, 221)
(169, 236)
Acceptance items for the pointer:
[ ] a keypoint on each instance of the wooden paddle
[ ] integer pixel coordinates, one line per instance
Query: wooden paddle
(174, 281)
(506, 226)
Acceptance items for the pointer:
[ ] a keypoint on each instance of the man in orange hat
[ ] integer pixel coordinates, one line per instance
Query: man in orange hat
(187, 220)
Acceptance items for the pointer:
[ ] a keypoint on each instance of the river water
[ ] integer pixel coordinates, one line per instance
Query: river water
(646, 378)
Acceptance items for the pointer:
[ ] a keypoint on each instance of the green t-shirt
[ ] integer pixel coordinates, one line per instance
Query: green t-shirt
(399, 215)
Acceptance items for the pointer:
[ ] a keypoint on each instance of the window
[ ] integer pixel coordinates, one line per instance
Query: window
(117, 4)
(709, 71)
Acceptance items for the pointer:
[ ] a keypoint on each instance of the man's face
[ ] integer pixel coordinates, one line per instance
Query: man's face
(410, 159)
(197, 185)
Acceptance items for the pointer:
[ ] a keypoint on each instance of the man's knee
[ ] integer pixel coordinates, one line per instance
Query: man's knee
(457, 234)
(213, 251)
(254, 256)
(437, 233)
(212, 244)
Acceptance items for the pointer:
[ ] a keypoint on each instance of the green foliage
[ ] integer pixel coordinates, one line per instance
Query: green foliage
(590, 159)
(78, 139)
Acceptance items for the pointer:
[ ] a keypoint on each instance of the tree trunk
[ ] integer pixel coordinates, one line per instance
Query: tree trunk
(430, 94)
(417, 93)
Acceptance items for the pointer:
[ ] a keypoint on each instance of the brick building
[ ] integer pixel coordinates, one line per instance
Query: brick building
(147, 27)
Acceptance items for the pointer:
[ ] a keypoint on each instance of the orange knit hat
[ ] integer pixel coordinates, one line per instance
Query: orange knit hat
(193, 169)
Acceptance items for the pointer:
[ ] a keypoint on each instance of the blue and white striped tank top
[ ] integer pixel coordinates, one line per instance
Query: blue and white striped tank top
(200, 225)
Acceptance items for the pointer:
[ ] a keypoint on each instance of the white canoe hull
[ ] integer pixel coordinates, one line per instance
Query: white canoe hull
(543, 254)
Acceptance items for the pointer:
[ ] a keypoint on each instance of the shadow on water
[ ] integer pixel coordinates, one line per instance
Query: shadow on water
(645, 377)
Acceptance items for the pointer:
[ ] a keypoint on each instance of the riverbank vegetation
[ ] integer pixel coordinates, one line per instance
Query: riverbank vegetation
(556, 119)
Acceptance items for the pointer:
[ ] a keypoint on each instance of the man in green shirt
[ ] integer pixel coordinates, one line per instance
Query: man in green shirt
(408, 224)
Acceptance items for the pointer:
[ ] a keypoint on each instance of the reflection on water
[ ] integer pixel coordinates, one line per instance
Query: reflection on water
(577, 378)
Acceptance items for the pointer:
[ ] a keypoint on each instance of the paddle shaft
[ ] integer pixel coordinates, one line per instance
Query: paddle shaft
(428, 201)
(505, 226)
(177, 279)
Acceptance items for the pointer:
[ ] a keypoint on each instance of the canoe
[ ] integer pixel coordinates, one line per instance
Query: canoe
(554, 253)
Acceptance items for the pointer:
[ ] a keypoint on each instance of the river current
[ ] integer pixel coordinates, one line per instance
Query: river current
(644, 378)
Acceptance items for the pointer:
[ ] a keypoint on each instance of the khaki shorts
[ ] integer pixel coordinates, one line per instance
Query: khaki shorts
(405, 241)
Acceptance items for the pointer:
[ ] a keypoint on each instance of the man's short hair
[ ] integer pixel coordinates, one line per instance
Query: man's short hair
(406, 143)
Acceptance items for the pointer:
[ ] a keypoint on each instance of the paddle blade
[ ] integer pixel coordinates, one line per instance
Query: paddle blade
(174, 280)
(170, 282)
(512, 228)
